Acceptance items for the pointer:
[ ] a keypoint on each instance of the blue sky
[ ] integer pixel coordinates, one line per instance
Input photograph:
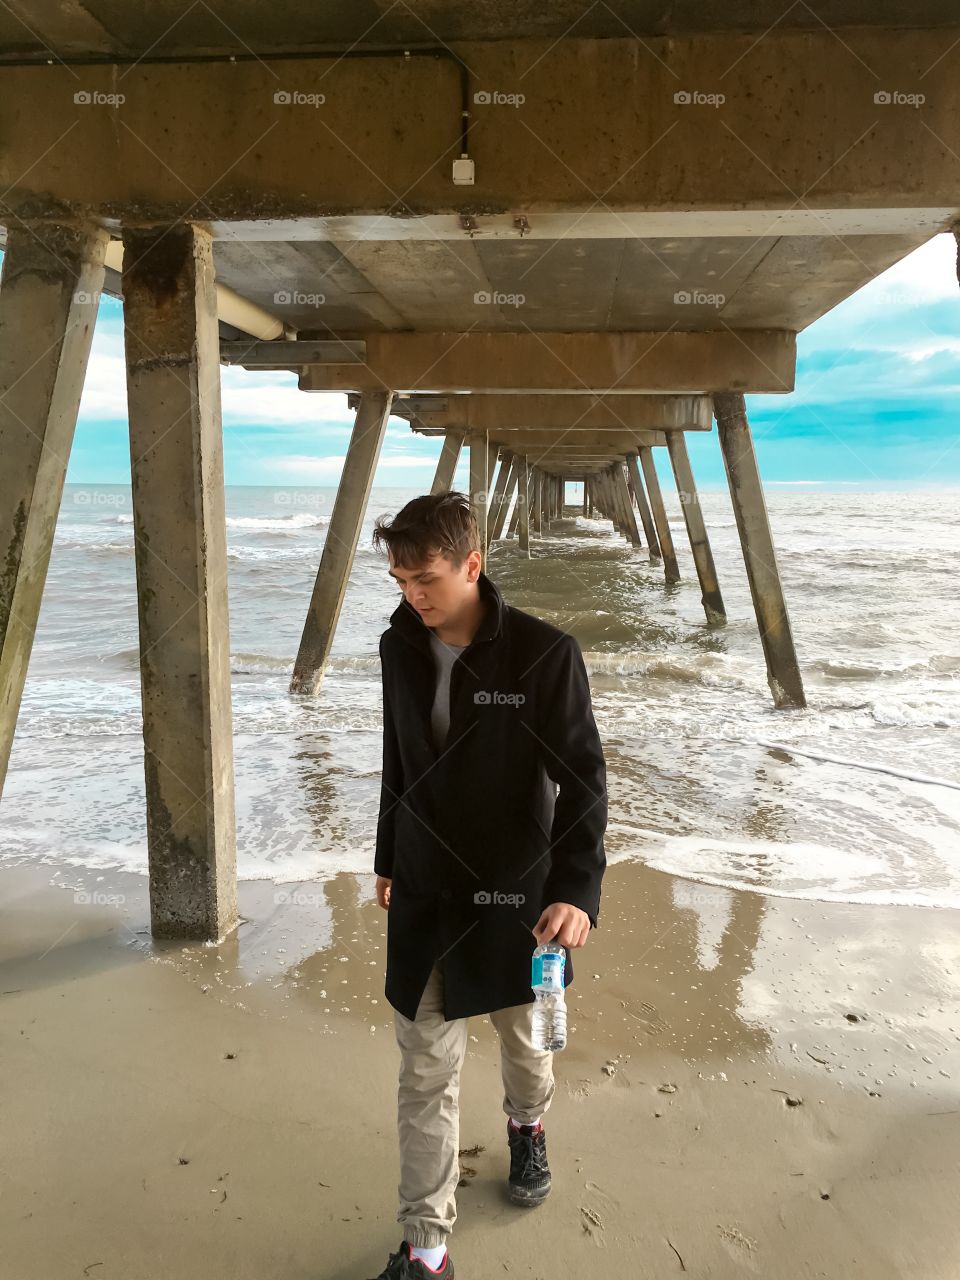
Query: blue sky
(877, 403)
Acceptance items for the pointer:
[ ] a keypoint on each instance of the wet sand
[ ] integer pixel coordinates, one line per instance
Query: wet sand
(753, 1087)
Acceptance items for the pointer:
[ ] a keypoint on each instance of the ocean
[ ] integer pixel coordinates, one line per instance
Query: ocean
(855, 799)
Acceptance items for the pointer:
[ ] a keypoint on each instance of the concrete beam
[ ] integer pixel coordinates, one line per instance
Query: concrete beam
(179, 526)
(759, 554)
(620, 414)
(674, 362)
(613, 442)
(340, 544)
(49, 292)
(275, 158)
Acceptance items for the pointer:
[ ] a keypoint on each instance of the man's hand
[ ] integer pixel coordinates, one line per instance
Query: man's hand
(383, 892)
(563, 922)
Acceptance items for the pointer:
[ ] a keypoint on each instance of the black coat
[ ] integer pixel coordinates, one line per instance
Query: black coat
(463, 830)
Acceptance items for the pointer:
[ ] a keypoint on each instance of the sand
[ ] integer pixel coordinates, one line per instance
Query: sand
(753, 1087)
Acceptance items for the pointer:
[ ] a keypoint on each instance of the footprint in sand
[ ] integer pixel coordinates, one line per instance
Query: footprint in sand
(740, 1246)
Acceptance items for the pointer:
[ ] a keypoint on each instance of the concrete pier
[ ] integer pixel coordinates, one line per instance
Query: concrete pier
(176, 452)
(671, 570)
(523, 506)
(640, 498)
(447, 462)
(479, 485)
(49, 293)
(340, 544)
(696, 529)
(626, 506)
(759, 554)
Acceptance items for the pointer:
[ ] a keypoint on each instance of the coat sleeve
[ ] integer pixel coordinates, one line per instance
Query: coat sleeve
(573, 758)
(391, 786)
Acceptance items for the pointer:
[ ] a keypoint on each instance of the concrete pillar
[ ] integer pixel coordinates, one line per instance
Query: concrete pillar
(696, 529)
(515, 513)
(49, 291)
(626, 506)
(447, 462)
(504, 508)
(609, 503)
(537, 501)
(646, 518)
(340, 544)
(172, 347)
(586, 500)
(523, 504)
(479, 486)
(759, 554)
(671, 570)
(501, 495)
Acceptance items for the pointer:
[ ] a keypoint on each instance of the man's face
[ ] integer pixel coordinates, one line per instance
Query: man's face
(435, 588)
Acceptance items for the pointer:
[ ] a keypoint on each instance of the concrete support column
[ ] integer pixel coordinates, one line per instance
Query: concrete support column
(523, 504)
(340, 545)
(447, 462)
(515, 513)
(671, 570)
(501, 529)
(609, 503)
(501, 495)
(172, 349)
(49, 291)
(759, 554)
(586, 500)
(479, 486)
(646, 519)
(537, 501)
(626, 506)
(696, 529)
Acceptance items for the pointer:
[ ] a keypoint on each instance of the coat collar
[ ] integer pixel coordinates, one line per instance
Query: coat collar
(408, 623)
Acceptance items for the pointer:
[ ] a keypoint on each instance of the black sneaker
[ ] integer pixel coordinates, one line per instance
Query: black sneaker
(529, 1182)
(402, 1267)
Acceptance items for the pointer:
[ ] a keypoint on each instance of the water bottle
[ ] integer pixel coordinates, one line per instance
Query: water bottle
(549, 1009)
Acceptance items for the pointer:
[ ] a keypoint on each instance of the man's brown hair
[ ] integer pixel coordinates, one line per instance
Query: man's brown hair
(433, 523)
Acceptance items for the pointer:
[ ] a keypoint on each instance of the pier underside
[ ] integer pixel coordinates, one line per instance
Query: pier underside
(560, 245)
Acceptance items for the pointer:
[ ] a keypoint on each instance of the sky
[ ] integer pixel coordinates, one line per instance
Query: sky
(876, 405)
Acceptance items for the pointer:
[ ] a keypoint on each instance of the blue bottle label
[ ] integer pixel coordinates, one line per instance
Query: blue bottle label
(547, 972)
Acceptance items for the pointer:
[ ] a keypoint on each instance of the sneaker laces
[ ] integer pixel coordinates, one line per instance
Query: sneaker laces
(529, 1154)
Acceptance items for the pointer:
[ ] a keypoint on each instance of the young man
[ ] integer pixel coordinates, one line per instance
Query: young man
(486, 711)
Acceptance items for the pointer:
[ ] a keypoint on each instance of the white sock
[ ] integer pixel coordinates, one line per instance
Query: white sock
(432, 1257)
(518, 1123)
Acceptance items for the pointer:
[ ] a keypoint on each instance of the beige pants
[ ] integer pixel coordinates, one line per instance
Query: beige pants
(428, 1104)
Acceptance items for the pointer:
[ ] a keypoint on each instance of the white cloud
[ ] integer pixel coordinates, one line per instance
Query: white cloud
(305, 467)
